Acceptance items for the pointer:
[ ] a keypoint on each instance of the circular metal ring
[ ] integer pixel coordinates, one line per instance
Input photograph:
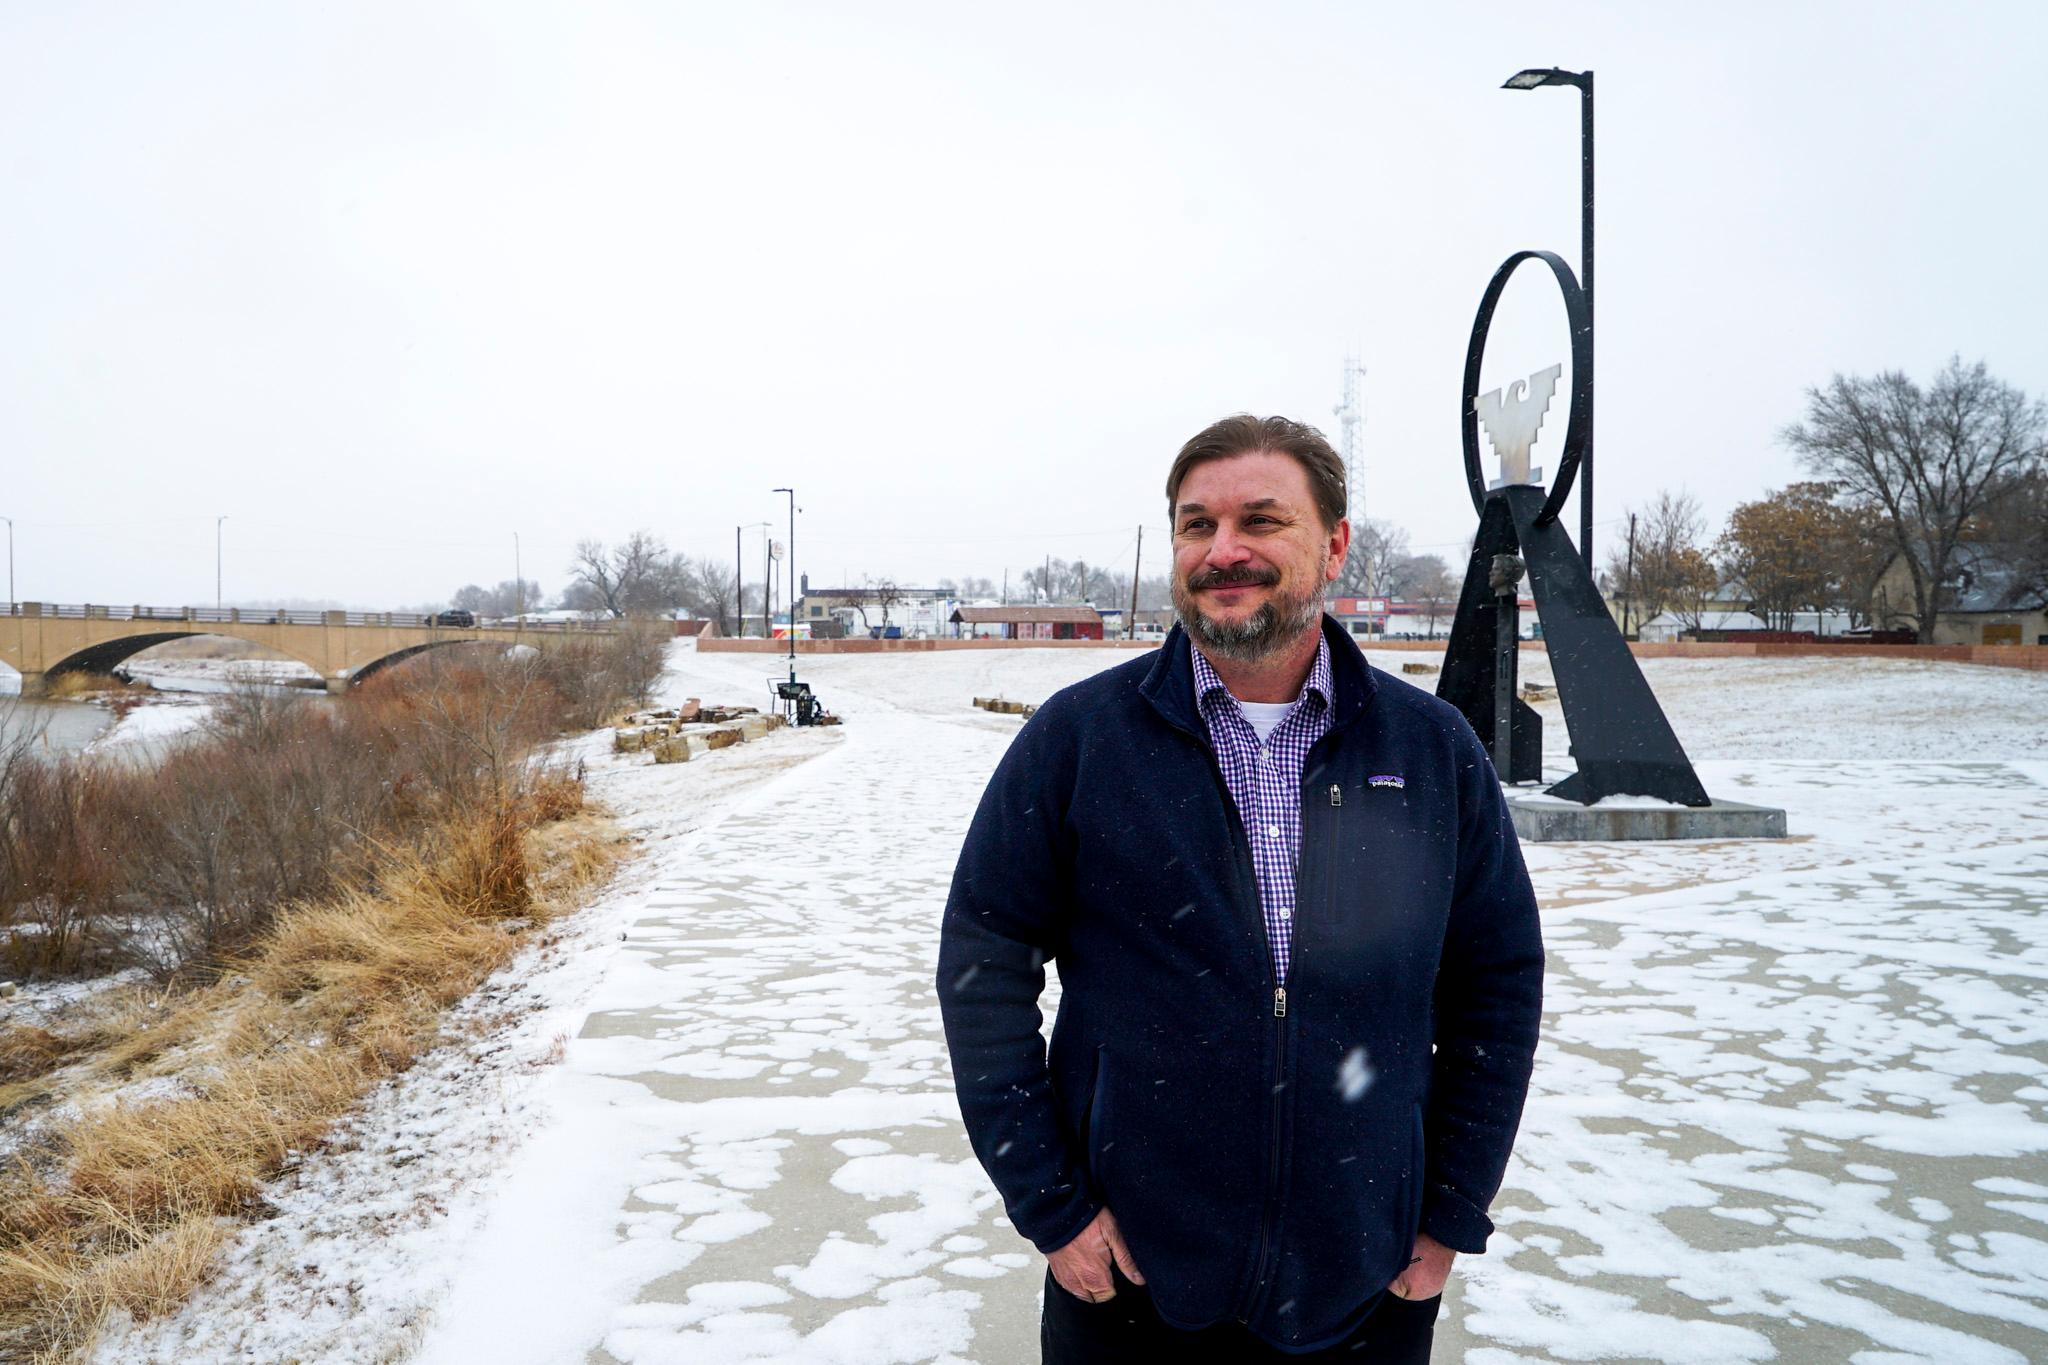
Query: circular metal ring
(1575, 431)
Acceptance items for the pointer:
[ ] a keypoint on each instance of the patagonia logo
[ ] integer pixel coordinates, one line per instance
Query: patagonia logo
(1386, 780)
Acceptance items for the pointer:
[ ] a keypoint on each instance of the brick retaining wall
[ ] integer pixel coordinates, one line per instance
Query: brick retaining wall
(2033, 657)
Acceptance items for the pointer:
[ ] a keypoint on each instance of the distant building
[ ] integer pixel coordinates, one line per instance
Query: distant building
(1984, 603)
(1028, 623)
(1723, 626)
(1394, 618)
(859, 611)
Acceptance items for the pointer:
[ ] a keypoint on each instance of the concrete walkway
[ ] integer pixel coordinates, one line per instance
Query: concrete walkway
(1793, 1101)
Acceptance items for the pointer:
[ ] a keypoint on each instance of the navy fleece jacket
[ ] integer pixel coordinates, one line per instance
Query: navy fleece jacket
(1265, 1167)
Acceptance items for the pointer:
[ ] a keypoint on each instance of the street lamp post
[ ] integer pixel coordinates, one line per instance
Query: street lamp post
(1535, 78)
(218, 522)
(10, 563)
(791, 596)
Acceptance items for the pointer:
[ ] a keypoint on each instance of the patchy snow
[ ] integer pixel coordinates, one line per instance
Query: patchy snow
(1792, 1102)
(1621, 801)
(216, 675)
(152, 726)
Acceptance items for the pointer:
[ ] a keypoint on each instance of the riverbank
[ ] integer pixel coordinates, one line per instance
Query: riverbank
(147, 704)
(308, 889)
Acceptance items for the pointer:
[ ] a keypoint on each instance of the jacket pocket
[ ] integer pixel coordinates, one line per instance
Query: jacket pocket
(1093, 1140)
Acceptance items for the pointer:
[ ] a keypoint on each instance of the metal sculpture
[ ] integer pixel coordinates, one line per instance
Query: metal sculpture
(1620, 738)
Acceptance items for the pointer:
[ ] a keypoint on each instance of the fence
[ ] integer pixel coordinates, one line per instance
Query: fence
(263, 616)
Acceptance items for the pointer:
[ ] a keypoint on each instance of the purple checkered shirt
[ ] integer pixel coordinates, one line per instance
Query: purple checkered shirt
(1265, 782)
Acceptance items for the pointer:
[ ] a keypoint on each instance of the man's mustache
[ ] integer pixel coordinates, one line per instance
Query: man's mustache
(1239, 577)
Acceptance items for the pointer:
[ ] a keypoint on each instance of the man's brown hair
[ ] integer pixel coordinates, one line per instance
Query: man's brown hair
(1243, 434)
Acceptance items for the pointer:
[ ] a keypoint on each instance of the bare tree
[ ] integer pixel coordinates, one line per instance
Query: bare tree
(1427, 582)
(708, 591)
(1038, 580)
(2015, 529)
(968, 588)
(1376, 546)
(507, 598)
(1933, 459)
(885, 593)
(1671, 569)
(639, 577)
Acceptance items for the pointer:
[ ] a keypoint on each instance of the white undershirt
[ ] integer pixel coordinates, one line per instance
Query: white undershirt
(1265, 716)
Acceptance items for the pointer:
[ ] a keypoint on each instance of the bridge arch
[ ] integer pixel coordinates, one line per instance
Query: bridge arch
(107, 655)
(399, 656)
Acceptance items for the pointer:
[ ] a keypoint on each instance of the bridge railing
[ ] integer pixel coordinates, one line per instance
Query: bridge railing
(263, 616)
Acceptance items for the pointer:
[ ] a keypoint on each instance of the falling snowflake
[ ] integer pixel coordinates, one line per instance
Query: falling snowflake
(1356, 1076)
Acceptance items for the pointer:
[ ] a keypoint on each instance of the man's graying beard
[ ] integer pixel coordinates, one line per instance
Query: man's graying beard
(1272, 627)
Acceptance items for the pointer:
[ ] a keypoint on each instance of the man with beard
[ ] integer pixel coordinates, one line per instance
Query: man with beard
(1299, 958)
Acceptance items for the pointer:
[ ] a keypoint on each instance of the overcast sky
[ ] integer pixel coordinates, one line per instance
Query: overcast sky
(386, 284)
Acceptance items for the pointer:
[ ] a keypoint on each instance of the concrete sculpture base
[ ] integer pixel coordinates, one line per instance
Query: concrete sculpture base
(1547, 819)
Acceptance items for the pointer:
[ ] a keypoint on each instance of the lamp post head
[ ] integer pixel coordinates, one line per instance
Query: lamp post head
(1535, 77)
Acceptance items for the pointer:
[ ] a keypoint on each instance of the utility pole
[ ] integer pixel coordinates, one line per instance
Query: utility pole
(1628, 592)
(1045, 581)
(10, 564)
(518, 580)
(10, 560)
(738, 601)
(217, 523)
(1131, 626)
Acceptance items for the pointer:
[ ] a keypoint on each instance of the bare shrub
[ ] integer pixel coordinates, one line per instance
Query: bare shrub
(180, 866)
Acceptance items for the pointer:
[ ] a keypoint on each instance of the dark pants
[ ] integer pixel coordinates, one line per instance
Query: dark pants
(1126, 1330)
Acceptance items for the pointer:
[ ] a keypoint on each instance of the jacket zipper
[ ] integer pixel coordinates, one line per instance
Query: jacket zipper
(1256, 1290)
(1266, 1248)
(1247, 875)
(1248, 879)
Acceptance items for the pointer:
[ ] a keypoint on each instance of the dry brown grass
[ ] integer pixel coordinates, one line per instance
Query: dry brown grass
(312, 889)
(123, 1209)
(70, 686)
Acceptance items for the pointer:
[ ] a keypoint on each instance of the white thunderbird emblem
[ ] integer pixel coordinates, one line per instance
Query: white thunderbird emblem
(1512, 422)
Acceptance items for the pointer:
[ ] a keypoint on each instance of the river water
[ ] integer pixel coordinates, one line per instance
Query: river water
(70, 726)
(58, 726)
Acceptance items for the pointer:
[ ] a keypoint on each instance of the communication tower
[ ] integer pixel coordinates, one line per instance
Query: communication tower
(1350, 419)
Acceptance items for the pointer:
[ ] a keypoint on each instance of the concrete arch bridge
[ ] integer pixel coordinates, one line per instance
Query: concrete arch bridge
(42, 640)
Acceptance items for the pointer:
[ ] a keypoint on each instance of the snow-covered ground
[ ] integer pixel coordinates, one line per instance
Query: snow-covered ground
(150, 727)
(216, 675)
(1792, 1102)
